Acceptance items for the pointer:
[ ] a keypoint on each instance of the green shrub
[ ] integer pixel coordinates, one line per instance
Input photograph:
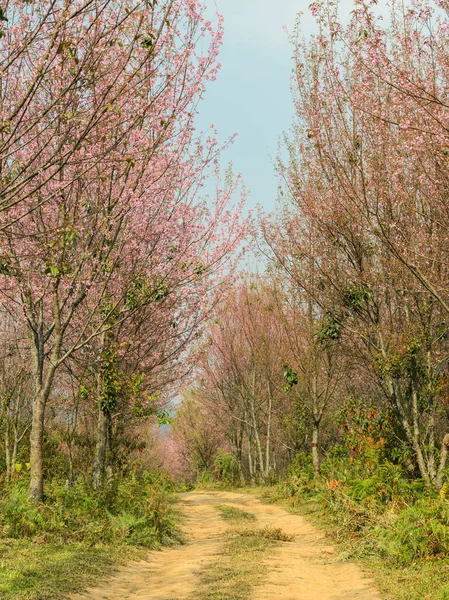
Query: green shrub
(226, 468)
(18, 517)
(373, 501)
(135, 511)
(420, 531)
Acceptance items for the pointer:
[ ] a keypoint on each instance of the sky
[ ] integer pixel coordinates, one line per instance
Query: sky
(252, 93)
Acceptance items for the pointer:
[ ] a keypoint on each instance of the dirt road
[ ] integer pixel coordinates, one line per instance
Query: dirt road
(304, 569)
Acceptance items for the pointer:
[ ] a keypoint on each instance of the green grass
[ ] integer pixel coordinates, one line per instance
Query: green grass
(239, 567)
(65, 544)
(231, 513)
(423, 580)
(48, 571)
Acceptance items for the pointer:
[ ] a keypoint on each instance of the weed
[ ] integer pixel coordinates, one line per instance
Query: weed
(135, 512)
(231, 513)
(239, 568)
(275, 534)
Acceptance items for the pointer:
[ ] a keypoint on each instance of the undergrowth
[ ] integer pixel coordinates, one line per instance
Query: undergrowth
(136, 510)
(54, 547)
(395, 525)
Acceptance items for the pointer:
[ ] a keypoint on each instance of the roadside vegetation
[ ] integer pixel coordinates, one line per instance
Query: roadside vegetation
(396, 528)
(78, 535)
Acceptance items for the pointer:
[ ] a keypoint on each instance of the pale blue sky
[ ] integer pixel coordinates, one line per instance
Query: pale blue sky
(252, 93)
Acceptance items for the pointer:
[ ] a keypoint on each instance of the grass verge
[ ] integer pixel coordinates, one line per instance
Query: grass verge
(49, 571)
(50, 549)
(421, 579)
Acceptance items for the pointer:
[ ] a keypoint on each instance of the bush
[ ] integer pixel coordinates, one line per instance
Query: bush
(382, 508)
(135, 511)
(420, 531)
(226, 468)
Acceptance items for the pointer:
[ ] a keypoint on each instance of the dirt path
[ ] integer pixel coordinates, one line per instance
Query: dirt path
(305, 569)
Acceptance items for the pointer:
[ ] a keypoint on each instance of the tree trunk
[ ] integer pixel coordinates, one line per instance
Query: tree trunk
(15, 448)
(8, 444)
(431, 427)
(36, 489)
(259, 450)
(267, 447)
(316, 426)
(101, 448)
(315, 453)
(250, 455)
(43, 382)
(431, 452)
(423, 467)
(412, 432)
(443, 460)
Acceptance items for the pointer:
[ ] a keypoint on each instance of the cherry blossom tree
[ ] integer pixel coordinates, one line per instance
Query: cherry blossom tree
(106, 218)
(365, 174)
(242, 376)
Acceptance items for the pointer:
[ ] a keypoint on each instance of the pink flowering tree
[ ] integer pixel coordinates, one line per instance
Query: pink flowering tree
(366, 173)
(106, 174)
(241, 375)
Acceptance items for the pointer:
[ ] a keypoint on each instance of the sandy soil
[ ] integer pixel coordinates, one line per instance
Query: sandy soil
(304, 569)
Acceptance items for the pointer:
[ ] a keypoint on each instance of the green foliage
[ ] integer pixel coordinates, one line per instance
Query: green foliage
(205, 479)
(299, 479)
(370, 435)
(372, 501)
(226, 468)
(356, 296)
(144, 291)
(135, 511)
(330, 330)
(164, 417)
(290, 377)
(148, 41)
(409, 360)
(111, 383)
(420, 531)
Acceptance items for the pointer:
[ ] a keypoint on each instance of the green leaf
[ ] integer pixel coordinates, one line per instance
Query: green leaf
(147, 43)
(163, 418)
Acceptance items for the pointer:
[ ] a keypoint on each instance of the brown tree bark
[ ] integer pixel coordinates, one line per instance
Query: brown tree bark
(36, 489)
(443, 461)
(315, 453)
(101, 448)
